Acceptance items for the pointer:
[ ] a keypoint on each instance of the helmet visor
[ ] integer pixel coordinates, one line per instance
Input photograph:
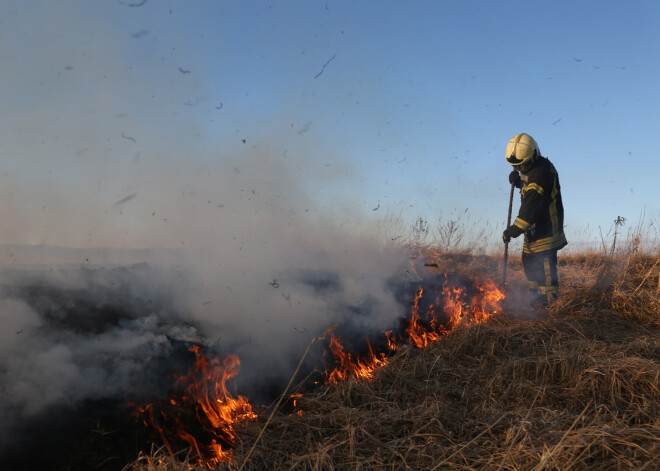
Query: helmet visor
(513, 160)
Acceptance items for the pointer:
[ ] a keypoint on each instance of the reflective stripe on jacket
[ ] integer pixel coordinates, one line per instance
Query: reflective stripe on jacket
(541, 214)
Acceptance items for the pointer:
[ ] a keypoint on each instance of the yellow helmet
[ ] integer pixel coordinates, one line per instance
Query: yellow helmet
(521, 151)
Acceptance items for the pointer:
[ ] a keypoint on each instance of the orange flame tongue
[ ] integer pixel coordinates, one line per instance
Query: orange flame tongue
(358, 368)
(207, 387)
(421, 335)
(452, 307)
(488, 301)
(204, 394)
(458, 309)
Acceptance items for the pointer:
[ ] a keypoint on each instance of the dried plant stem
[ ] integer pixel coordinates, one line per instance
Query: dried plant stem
(263, 429)
(513, 440)
(467, 444)
(557, 447)
(647, 275)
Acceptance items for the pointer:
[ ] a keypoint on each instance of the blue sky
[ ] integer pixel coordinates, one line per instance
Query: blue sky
(160, 123)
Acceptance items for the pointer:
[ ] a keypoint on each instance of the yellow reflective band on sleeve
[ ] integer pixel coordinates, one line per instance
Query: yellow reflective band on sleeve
(532, 186)
(521, 224)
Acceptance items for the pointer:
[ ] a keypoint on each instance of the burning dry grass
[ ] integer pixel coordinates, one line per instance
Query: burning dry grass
(576, 387)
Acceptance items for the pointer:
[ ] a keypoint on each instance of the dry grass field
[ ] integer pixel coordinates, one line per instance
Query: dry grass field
(576, 386)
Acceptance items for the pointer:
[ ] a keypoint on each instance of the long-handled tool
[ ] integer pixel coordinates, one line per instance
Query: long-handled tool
(506, 244)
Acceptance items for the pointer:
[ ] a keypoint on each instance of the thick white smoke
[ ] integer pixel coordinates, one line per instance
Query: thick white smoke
(260, 270)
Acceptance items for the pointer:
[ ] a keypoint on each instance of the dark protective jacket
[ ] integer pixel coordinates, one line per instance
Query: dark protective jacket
(541, 215)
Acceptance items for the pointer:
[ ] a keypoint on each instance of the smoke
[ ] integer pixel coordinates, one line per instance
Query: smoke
(253, 266)
(139, 216)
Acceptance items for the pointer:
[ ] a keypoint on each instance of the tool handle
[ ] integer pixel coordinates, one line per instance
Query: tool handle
(506, 244)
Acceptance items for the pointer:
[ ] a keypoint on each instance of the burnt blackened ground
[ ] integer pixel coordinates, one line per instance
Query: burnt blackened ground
(98, 434)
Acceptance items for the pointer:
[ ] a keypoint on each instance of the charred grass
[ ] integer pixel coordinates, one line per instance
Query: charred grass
(576, 386)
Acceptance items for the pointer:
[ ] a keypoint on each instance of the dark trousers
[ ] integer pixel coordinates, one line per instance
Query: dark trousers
(541, 272)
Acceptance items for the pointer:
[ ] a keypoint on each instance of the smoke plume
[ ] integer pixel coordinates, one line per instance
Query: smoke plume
(258, 270)
(145, 208)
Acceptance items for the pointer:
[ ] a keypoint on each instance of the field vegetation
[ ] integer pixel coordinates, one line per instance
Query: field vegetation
(574, 386)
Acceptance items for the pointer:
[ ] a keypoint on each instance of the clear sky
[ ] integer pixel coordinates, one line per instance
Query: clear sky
(139, 123)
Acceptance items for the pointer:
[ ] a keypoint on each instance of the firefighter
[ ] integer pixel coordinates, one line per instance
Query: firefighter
(541, 217)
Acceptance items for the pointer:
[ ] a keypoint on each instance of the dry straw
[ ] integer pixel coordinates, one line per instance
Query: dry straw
(573, 387)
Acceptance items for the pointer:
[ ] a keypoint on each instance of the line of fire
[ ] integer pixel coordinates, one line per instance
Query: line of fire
(202, 413)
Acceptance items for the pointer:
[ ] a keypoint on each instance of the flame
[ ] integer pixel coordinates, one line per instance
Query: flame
(204, 394)
(358, 368)
(488, 302)
(392, 342)
(451, 307)
(420, 335)
(481, 306)
(294, 404)
(455, 307)
(204, 413)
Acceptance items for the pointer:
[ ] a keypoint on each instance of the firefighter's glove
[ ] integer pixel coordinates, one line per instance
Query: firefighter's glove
(511, 233)
(514, 178)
